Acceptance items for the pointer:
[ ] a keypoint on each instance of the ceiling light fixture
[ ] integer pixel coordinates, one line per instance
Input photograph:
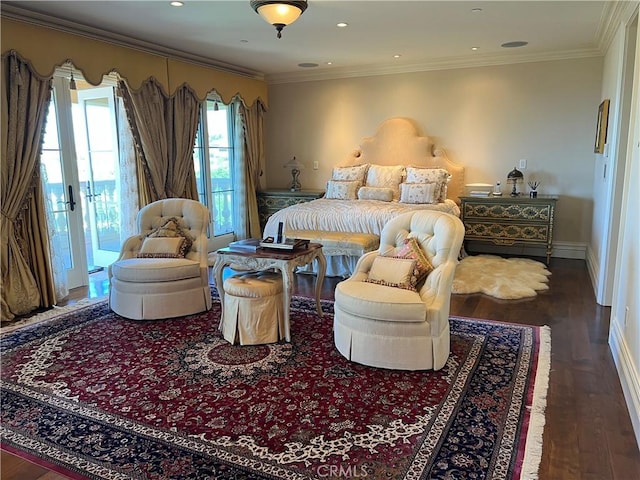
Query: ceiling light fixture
(279, 13)
(515, 44)
(177, 4)
(342, 24)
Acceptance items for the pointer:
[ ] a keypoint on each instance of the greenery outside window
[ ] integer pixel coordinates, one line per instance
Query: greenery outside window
(213, 158)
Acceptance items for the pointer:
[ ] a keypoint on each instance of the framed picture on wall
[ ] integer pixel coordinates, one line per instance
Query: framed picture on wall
(601, 127)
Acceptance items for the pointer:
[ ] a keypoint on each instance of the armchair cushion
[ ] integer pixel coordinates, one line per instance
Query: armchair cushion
(162, 247)
(171, 229)
(393, 272)
(379, 302)
(411, 250)
(144, 270)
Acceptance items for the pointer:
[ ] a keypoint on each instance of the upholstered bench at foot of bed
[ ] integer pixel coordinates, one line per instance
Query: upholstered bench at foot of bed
(351, 244)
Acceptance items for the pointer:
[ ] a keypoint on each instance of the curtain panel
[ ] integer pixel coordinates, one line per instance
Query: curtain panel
(253, 123)
(165, 131)
(27, 278)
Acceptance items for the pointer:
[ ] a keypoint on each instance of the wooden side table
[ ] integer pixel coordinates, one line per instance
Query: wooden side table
(270, 201)
(510, 220)
(283, 260)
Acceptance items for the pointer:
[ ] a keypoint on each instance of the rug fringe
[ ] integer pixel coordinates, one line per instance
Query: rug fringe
(533, 449)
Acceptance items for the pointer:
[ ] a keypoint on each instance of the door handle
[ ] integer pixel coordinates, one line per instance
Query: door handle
(71, 202)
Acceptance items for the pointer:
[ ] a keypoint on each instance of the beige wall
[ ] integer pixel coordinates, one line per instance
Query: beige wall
(486, 118)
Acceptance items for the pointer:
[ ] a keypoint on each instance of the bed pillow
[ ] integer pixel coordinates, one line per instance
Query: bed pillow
(384, 176)
(340, 190)
(430, 175)
(419, 193)
(393, 272)
(347, 174)
(375, 193)
(162, 247)
(411, 250)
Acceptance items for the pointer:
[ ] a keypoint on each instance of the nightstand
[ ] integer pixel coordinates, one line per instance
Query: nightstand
(510, 220)
(270, 201)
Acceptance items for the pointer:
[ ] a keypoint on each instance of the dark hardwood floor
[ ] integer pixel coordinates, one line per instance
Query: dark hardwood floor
(588, 433)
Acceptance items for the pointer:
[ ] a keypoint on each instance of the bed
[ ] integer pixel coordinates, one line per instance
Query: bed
(395, 171)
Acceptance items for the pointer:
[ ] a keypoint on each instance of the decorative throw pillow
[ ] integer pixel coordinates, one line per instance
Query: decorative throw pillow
(412, 250)
(375, 193)
(162, 247)
(171, 229)
(347, 174)
(439, 176)
(339, 190)
(393, 272)
(418, 193)
(387, 177)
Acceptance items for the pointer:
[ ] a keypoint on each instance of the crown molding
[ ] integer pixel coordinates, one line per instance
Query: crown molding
(614, 14)
(439, 64)
(16, 13)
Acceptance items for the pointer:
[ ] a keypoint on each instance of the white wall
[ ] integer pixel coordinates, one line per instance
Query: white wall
(609, 171)
(486, 118)
(624, 334)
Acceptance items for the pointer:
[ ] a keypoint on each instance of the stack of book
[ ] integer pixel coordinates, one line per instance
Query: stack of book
(288, 244)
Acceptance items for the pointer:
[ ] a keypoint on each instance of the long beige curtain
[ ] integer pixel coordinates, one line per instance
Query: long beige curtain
(181, 180)
(27, 280)
(165, 131)
(253, 120)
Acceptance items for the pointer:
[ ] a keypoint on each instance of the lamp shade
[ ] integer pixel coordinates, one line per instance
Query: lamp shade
(515, 175)
(279, 13)
(294, 163)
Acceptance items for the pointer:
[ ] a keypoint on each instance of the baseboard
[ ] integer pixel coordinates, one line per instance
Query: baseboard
(593, 267)
(628, 374)
(572, 250)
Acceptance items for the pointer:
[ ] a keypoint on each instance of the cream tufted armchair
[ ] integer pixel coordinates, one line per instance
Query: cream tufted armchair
(157, 275)
(390, 327)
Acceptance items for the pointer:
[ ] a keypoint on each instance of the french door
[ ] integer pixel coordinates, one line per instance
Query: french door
(80, 161)
(97, 146)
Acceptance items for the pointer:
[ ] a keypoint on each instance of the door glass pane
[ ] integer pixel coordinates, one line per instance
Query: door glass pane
(51, 164)
(221, 190)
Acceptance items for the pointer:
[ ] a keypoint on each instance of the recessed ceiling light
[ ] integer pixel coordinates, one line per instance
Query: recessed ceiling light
(177, 4)
(307, 65)
(397, 55)
(329, 63)
(514, 44)
(475, 49)
(244, 41)
(342, 24)
(476, 10)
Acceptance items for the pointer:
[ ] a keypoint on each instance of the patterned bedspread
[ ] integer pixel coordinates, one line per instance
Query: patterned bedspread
(367, 216)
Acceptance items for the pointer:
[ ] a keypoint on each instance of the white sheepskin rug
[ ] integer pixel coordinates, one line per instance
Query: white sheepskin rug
(506, 278)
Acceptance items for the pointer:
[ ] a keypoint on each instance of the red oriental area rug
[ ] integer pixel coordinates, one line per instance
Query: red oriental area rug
(92, 395)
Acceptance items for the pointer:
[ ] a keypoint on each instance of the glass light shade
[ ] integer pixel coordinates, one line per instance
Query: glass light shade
(279, 13)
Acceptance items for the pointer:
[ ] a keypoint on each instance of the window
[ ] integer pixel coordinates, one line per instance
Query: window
(214, 165)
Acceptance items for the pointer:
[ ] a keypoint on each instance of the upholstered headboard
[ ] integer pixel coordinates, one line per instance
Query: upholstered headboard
(398, 142)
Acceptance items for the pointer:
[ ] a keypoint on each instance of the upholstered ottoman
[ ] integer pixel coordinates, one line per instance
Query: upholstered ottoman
(253, 308)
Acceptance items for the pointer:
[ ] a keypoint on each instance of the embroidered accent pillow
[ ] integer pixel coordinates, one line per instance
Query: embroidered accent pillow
(162, 247)
(418, 193)
(439, 176)
(393, 272)
(411, 250)
(386, 176)
(339, 190)
(375, 193)
(170, 229)
(348, 174)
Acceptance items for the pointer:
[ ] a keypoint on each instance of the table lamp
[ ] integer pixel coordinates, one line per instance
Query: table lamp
(295, 166)
(515, 177)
